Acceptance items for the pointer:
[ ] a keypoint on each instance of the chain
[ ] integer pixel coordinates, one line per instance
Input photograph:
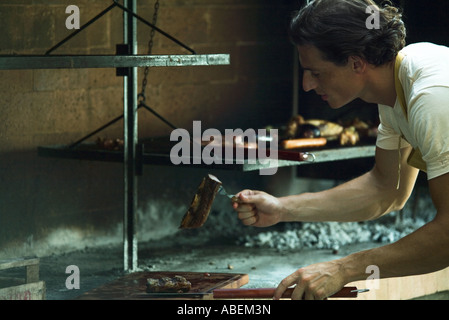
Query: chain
(150, 49)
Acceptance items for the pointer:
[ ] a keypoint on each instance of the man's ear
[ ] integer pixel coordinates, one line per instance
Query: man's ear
(358, 64)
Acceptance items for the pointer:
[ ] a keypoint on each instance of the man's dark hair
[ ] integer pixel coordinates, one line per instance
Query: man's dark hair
(338, 29)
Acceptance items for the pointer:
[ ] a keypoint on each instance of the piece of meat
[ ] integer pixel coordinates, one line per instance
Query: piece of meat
(329, 130)
(349, 137)
(326, 129)
(201, 204)
(177, 284)
(308, 131)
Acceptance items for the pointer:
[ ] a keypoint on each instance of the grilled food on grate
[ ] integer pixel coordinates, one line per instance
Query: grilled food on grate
(177, 284)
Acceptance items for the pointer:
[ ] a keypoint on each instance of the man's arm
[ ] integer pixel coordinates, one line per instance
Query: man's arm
(422, 251)
(364, 198)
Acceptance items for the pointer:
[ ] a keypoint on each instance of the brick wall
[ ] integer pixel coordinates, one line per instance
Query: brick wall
(46, 107)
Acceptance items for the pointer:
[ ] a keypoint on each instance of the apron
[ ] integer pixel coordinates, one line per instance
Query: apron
(415, 158)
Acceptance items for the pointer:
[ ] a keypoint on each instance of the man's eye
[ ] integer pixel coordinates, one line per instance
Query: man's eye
(315, 74)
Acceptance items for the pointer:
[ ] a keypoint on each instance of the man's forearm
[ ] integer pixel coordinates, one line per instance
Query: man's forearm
(358, 200)
(364, 198)
(422, 251)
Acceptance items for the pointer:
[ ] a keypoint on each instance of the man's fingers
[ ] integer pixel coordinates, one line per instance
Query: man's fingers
(246, 214)
(248, 196)
(244, 206)
(299, 293)
(309, 296)
(249, 221)
(248, 217)
(287, 282)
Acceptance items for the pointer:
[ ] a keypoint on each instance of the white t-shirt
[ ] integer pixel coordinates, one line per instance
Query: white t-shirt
(424, 74)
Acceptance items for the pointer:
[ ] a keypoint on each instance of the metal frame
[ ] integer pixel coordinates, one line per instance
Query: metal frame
(109, 61)
(127, 64)
(130, 257)
(89, 151)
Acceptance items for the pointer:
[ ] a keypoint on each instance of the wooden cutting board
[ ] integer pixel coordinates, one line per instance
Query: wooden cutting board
(133, 286)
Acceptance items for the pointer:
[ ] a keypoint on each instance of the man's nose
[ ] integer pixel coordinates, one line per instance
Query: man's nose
(308, 82)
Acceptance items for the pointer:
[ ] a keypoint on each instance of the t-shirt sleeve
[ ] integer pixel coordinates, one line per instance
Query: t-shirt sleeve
(429, 119)
(387, 136)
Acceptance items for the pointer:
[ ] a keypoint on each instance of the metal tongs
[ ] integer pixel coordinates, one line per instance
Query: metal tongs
(223, 192)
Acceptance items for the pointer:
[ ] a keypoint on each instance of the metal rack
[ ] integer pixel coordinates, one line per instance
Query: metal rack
(126, 61)
(150, 156)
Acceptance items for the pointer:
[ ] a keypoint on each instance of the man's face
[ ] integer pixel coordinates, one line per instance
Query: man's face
(338, 85)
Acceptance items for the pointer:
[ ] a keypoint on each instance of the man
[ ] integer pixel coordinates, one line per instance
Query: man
(343, 60)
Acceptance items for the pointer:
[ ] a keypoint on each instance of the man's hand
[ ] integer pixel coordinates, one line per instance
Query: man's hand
(315, 282)
(257, 208)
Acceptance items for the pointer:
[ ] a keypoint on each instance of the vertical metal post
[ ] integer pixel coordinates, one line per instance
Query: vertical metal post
(130, 143)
